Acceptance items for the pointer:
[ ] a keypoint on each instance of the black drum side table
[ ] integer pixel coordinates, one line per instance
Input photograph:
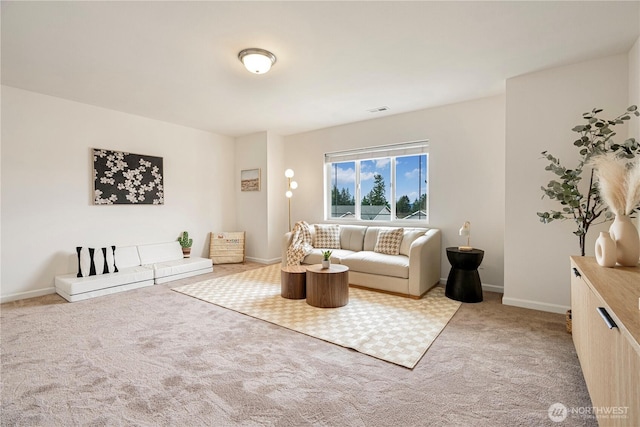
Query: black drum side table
(463, 283)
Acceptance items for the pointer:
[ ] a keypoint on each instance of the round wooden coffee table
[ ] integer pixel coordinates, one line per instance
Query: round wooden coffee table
(327, 287)
(293, 282)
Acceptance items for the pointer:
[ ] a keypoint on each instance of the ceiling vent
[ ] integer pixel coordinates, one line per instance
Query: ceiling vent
(378, 109)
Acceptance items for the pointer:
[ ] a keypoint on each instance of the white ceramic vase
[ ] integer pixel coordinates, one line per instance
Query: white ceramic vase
(606, 253)
(326, 264)
(625, 234)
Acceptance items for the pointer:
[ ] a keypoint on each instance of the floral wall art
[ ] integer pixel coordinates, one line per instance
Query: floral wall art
(127, 179)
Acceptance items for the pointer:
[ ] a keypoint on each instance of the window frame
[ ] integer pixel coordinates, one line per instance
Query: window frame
(393, 152)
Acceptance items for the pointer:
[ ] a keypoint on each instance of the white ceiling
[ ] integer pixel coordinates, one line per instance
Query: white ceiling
(177, 61)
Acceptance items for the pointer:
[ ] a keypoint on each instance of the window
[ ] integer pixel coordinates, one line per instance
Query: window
(411, 187)
(386, 183)
(343, 190)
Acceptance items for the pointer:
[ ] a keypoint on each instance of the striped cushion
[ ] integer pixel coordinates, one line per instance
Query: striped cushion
(327, 236)
(389, 241)
(95, 261)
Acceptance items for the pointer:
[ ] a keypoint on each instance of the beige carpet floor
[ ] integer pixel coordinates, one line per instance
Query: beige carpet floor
(396, 329)
(154, 357)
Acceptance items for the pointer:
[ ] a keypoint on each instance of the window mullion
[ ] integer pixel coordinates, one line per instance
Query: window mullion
(358, 192)
(392, 190)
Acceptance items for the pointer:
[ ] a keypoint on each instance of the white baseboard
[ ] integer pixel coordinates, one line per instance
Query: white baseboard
(28, 294)
(493, 288)
(264, 261)
(536, 305)
(485, 286)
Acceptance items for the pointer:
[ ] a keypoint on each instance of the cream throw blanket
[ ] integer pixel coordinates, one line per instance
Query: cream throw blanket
(300, 245)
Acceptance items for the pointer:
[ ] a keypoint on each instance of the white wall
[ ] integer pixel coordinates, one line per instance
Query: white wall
(1, 90)
(542, 108)
(634, 95)
(252, 206)
(634, 86)
(47, 184)
(262, 215)
(277, 221)
(466, 155)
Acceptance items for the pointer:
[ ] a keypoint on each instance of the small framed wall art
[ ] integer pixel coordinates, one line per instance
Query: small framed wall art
(121, 178)
(250, 180)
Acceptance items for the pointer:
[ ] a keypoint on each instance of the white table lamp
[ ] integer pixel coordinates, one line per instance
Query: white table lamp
(465, 230)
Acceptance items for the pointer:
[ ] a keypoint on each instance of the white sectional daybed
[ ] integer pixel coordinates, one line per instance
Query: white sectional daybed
(137, 267)
(168, 263)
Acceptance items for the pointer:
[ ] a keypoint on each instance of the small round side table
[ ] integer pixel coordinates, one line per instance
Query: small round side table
(327, 287)
(463, 283)
(293, 284)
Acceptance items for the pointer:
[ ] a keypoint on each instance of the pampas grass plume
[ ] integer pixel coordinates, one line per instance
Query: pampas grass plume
(633, 187)
(612, 181)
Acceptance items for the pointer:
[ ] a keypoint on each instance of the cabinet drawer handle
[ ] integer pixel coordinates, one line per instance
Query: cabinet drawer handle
(576, 272)
(607, 319)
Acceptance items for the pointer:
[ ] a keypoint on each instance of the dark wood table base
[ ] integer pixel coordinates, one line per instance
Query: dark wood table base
(293, 284)
(463, 283)
(329, 287)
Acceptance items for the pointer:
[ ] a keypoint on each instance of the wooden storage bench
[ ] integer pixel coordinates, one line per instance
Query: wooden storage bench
(227, 247)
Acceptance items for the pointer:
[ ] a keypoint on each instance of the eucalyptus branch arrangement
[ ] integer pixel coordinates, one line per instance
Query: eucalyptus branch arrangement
(595, 139)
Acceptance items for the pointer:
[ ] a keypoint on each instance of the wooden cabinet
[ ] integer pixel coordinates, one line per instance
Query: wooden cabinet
(606, 333)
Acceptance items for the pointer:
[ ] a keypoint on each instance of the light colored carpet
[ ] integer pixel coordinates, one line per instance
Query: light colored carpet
(154, 357)
(395, 329)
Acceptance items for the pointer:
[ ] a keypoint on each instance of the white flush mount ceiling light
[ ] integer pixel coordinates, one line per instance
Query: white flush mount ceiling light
(257, 61)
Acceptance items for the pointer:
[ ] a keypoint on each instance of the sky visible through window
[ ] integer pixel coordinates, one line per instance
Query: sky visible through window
(411, 175)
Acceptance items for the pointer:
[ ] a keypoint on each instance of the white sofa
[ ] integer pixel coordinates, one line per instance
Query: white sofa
(138, 266)
(411, 273)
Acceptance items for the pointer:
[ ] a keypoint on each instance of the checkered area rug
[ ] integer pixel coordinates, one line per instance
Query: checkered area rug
(395, 329)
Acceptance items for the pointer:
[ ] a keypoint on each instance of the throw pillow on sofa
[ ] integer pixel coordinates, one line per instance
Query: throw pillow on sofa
(389, 241)
(96, 261)
(327, 236)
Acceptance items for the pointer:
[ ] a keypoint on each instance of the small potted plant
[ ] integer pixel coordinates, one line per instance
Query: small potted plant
(326, 259)
(186, 243)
